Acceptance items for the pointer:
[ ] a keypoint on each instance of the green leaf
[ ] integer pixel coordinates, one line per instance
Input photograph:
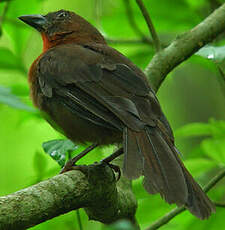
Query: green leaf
(217, 128)
(57, 149)
(120, 225)
(6, 97)
(212, 128)
(194, 129)
(215, 149)
(212, 53)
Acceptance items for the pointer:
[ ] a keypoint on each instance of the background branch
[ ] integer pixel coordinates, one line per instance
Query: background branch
(221, 79)
(133, 24)
(149, 24)
(218, 204)
(128, 41)
(184, 46)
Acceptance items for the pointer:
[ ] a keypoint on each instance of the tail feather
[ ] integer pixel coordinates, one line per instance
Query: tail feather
(198, 202)
(168, 173)
(152, 154)
(133, 159)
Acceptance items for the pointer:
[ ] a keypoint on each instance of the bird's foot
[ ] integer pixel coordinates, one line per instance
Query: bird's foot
(115, 168)
(71, 164)
(110, 158)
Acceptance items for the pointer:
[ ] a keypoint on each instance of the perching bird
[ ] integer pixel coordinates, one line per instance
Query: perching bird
(95, 94)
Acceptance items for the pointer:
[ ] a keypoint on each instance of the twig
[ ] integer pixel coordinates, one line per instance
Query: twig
(214, 181)
(128, 41)
(79, 219)
(133, 24)
(132, 41)
(221, 205)
(184, 46)
(150, 25)
(166, 218)
(170, 215)
(221, 79)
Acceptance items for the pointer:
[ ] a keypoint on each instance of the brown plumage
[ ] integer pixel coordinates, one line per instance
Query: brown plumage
(95, 94)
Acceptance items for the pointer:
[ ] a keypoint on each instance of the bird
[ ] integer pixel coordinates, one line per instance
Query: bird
(92, 93)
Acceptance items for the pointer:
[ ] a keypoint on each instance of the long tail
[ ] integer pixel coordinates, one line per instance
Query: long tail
(151, 154)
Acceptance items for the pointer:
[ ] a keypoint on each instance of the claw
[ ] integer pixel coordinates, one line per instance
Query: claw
(115, 168)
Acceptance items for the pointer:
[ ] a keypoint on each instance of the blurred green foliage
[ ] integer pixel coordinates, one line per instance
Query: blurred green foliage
(192, 98)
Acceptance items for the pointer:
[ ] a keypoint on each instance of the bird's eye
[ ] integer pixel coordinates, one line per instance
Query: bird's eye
(61, 15)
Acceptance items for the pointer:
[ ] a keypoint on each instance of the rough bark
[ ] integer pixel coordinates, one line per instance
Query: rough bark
(95, 190)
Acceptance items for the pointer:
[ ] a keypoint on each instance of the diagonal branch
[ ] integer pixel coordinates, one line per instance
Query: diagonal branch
(184, 46)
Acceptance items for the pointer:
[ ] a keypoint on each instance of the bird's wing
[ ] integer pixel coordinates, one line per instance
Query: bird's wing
(82, 76)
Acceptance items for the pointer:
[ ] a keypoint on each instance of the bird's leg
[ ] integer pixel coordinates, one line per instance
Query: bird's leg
(70, 164)
(113, 156)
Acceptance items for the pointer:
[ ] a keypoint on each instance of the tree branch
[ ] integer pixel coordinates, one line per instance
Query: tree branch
(122, 41)
(184, 46)
(150, 25)
(95, 189)
(170, 215)
(221, 79)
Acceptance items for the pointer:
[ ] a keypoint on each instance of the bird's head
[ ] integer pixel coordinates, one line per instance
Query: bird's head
(63, 27)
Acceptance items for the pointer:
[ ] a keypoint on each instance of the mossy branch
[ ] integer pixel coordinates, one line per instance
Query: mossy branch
(95, 190)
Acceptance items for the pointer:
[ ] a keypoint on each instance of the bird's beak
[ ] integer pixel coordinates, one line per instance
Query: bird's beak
(39, 22)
